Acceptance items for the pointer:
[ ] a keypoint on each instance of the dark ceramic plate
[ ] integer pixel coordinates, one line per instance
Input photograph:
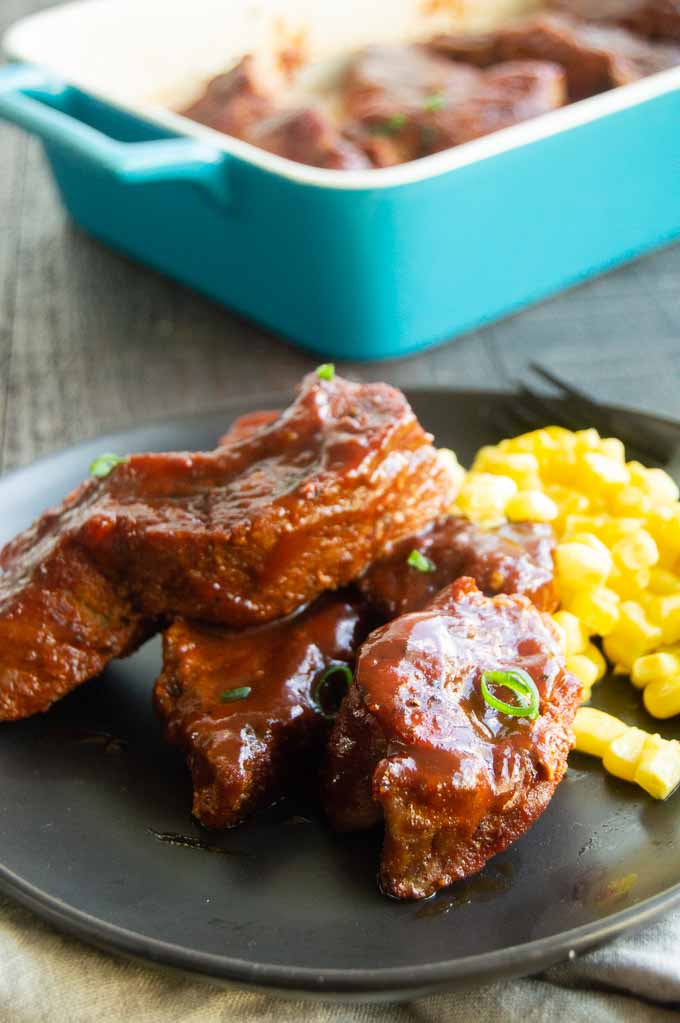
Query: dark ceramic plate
(87, 789)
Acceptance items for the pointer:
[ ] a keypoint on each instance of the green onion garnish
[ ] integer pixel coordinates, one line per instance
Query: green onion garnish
(433, 102)
(240, 693)
(103, 465)
(326, 371)
(420, 562)
(336, 676)
(519, 682)
(391, 126)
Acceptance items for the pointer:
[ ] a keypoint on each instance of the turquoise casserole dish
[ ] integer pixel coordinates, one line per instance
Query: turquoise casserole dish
(368, 264)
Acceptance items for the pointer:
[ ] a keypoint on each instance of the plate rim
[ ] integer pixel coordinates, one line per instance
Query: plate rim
(513, 960)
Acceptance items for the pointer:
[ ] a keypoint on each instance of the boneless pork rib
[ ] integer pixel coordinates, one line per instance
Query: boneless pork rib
(248, 708)
(239, 536)
(517, 557)
(417, 744)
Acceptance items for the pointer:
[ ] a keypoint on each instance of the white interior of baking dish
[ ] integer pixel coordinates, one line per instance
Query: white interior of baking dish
(152, 57)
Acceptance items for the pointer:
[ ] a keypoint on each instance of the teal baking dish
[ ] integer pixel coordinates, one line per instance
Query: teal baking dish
(368, 264)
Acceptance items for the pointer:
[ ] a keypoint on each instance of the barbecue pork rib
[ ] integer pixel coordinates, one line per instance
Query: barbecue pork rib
(513, 558)
(416, 744)
(404, 102)
(239, 536)
(246, 752)
(594, 57)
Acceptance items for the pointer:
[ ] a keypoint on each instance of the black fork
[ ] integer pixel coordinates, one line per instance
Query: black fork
(529, 409)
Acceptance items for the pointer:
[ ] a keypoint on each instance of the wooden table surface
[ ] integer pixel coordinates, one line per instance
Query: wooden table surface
(90, 341)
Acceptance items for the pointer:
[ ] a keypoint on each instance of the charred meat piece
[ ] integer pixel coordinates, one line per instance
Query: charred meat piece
(234, 101)
(307, 136)
(406, 103)
(243, 705)
(240, 535)
(656, 19)
(514, 558)
(594, 57)
(416, 744)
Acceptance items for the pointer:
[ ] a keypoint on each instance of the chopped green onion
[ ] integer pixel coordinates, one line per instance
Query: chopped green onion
(103, 465)
(519, 682)
(320, 693)
(420, 562)
(391, 126)
(240, 693)
(433, 102)
(326, 371)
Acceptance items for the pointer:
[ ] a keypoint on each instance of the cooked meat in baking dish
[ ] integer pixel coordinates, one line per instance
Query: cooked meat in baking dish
(656, 19)
(245, 706)
(513, 558)
(403, 103)
(594, 57)
(396, 103)
(239, 103)
(240, 535)
(416, 744)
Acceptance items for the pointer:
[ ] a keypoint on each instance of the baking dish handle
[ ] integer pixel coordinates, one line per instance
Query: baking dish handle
(31, 98)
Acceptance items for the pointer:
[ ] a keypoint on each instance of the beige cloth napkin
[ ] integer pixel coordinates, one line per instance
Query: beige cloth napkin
(48, 978)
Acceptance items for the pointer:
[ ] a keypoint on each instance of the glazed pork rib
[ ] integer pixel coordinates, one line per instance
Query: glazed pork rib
(656, 19)
(404, 102)
(513, 558)
(244, 706)
(415, 743)
(594, 57)
(239, 536)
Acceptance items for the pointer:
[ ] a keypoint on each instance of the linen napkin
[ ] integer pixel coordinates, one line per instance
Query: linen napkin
(46, 977)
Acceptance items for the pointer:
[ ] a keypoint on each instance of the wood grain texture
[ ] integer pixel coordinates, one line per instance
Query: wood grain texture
(90, 341)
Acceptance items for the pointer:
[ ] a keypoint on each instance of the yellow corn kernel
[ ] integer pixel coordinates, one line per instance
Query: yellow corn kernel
(601, 471)
(580, 565)
(531, 506)
(663, 582)
(520, 466)
(632, 636)
(658, 769)
(665, 611)
(614, 448)
(594, 730)
(598, 609)
(631, 501)
(636, 552)
(542, 443)
(595, 656)
(664, 525)
(655, 667)
(629, 585)
(586, 693)
(657, 483)
(584, 669)
(587, 440)
(615, 528)
(483, 496)
(621, 756)
(568, 501)
(662, 697)
(576, 637)
(589, 539)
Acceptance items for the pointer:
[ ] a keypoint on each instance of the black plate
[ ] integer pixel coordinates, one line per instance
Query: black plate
(291, 907)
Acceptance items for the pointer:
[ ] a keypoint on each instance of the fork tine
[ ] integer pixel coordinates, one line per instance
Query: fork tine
(547, 409)
(645, 446)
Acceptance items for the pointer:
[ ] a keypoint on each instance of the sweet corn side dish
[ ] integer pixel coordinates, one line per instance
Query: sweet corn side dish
(629, 753)
(617, 525)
